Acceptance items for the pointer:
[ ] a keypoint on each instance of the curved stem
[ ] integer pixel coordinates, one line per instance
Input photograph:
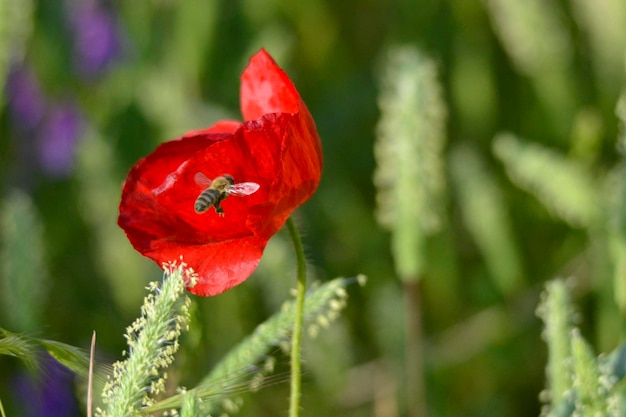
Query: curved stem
(296, 338)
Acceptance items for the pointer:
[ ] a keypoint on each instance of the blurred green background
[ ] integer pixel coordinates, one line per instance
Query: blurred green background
(534, 186)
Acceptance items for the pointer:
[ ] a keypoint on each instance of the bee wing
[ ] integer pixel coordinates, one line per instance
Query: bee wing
(243, 188)
(202, 180)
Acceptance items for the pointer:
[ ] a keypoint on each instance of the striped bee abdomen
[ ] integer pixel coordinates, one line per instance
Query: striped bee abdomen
(205, 200)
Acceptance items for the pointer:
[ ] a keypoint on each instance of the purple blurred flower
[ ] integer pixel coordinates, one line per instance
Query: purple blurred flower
(25, 99)
(96, 37)
(57, 138)
(49, 393)
(46, 131)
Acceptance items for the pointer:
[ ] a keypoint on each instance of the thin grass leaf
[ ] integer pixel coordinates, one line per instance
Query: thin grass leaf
(227, 401)
(224, 393)
(90, 376)
(16, 345)
(603, 23)
(563, 186)
(22, 273)
(224, 381)
(73, 358)
(28, 348)
(410, 176)
(485, 215)
(532, 33)
(614, 193)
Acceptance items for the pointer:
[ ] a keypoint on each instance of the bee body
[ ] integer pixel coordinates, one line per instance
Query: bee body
(209, 197)
(218, 189)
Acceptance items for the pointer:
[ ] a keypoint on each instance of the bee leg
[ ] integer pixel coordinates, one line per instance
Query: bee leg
(218, 208)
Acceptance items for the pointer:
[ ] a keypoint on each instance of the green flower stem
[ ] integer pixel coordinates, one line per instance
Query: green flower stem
(296, 338)
(414, 350)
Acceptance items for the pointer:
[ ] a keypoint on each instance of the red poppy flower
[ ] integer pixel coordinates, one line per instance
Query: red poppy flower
(277, 147)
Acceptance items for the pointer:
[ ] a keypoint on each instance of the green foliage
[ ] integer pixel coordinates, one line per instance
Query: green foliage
(534, 35)
(15, 28)
(191, 405)
(152, 341)
(486, 216)
(95, 165)
(562, 185)
(602, 22)
(409, 153)
(592, 395)
(23, 284)
(28, 349)
(579, 383)
(323, 302)
(556, 311)
(235, 372)
(15, 345)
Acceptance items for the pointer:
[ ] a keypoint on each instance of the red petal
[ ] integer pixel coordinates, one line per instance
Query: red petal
(265, 88)
(223, 126)
(220, 266)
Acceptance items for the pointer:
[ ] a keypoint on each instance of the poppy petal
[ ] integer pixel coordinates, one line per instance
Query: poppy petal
(223, 126)
(220, 266)
(265, 88)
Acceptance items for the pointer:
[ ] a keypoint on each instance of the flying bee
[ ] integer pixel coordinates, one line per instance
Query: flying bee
(218, 189)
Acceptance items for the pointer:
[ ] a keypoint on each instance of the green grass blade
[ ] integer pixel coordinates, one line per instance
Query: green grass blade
(563, 186)
(22, 273)
(486, 217)
(28, 349)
